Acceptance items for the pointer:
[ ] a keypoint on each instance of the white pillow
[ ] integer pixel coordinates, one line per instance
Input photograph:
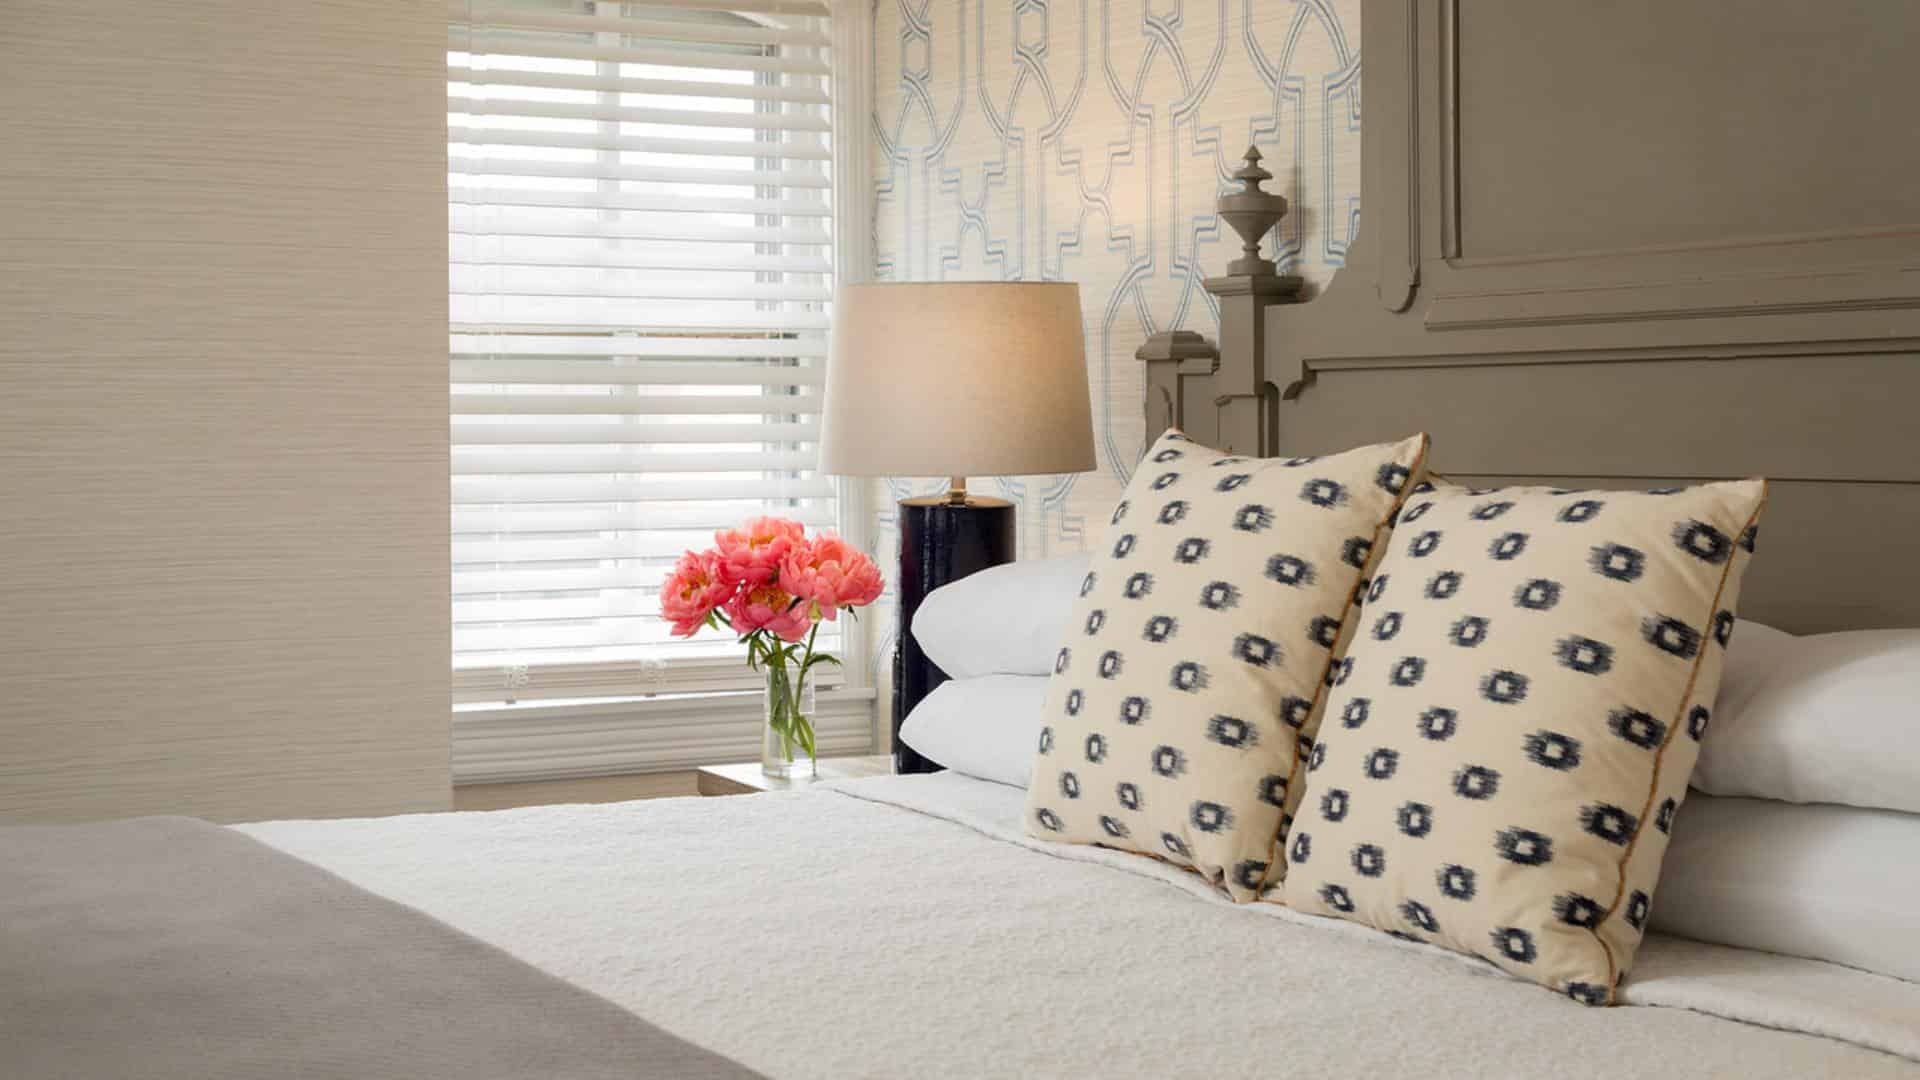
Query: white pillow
(985, 727)
(1833, 883)
(1831, 718)
(1005, 620)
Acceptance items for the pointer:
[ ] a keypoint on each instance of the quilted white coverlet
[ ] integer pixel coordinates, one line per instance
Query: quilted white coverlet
(903, 926)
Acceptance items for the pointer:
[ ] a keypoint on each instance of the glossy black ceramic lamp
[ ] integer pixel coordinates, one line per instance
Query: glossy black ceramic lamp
(953, 379)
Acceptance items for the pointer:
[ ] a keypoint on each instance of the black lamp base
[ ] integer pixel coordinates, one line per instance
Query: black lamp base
(940, 542)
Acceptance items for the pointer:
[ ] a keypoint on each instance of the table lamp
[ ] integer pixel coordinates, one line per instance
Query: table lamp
(953, 379)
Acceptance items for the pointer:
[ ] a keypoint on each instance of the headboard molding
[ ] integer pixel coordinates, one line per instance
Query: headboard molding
(1610, 245)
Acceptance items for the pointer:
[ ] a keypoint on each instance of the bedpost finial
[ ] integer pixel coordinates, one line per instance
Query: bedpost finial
(1252, 212)
(1251, 174)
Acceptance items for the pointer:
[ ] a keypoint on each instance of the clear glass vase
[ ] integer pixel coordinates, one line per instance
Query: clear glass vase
(786, 748)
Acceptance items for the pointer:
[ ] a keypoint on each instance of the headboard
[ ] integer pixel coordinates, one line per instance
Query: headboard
(1618, 245)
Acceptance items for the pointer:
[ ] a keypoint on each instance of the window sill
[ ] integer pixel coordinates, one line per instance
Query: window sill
(604, 737)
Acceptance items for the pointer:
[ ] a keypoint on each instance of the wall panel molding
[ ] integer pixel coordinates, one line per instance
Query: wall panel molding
(1625, 280)
(1840, 290)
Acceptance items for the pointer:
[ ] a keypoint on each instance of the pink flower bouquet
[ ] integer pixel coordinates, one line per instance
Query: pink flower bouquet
(772, 585)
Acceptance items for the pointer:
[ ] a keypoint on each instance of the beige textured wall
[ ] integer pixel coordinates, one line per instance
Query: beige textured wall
(1086, 141)
(223, 458)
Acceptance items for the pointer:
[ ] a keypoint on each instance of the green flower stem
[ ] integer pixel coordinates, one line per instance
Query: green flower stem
(787, 667)
(785, 689)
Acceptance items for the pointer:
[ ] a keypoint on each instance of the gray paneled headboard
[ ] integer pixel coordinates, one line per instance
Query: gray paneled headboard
(1608, 245)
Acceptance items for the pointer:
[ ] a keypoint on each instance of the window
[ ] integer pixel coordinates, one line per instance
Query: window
(640, 212)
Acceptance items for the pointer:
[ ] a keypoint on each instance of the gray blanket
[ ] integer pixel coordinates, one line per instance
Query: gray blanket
(167, 947)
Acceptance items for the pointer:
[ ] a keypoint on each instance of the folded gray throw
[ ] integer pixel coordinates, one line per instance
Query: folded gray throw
(168, 947)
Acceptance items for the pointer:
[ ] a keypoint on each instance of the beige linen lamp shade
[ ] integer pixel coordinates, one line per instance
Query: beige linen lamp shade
(960, 379)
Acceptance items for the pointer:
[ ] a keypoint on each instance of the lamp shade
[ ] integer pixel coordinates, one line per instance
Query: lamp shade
(968, 378)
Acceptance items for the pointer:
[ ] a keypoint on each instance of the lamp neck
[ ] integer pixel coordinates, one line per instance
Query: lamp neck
(956, 491)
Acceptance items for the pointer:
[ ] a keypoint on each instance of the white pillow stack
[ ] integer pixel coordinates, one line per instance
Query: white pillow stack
(995, 634)
(1803, 833)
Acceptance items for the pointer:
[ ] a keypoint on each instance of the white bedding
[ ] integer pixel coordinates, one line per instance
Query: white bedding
(903, 926)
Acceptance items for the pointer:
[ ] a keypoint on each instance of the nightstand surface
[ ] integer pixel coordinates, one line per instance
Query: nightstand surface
(746, 777)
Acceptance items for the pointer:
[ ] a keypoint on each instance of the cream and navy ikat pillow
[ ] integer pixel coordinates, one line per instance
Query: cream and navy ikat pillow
(1196, 660)
(1511, 732)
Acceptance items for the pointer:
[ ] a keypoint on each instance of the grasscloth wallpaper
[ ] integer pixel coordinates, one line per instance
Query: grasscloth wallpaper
(223, 410)
(1086, 140)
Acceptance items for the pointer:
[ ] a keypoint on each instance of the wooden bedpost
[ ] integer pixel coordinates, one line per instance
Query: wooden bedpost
(1223, 396)
(1178, 360)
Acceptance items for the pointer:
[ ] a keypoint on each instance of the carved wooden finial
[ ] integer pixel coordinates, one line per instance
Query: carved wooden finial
(1251, 173)
(1252, 212)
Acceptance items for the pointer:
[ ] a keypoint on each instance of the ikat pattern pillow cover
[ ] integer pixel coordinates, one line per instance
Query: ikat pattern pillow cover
(1196, 659)
(1510, 734)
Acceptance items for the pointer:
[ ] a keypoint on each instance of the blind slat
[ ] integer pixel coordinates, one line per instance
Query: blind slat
(649, 545)
(613, 659)
(495, 433)
(531, 489)
(753, 7)
(496, 226)
(477, 362)
(523, 581)
(651, 405)
(651, 630)
(467, 14)
(611, 315)
(511, 284)
(491, 165)
(465, 76)
(710, 319)
(579, 256)
(481, 135)
(488, 44)
(660, 204)
(644, 582)
(474, 107)
(555, 518)
(529, 358)
(519, 460)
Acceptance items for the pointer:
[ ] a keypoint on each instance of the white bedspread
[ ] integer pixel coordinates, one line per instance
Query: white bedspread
(903, 926)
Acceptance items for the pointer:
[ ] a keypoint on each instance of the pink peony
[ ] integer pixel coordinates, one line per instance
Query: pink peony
(832, 574)
(692, 590)
(751, 554)
(769, 608)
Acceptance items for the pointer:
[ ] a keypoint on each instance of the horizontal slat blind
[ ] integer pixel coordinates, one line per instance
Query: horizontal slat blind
(640, 205)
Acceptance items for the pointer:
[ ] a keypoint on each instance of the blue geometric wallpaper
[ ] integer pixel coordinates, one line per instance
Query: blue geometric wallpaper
(1086, 140)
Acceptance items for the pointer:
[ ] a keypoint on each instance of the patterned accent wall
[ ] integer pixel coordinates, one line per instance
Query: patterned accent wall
(1086, 140)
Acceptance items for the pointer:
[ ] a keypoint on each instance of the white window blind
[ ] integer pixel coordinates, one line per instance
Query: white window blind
(640, 208)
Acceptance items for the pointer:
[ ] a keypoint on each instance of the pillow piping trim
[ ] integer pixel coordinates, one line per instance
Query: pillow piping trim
(1382, 529)
(1653, 783)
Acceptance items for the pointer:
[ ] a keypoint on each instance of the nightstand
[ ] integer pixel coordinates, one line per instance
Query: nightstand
(746, 777)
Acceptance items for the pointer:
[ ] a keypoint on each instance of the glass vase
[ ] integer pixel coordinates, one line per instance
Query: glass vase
(786, 748)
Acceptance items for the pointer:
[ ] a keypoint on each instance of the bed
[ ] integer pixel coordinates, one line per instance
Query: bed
(917, 931)
(909, 926)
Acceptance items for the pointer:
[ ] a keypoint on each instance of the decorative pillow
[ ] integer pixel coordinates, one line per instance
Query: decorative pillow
(1197, 655)
(1512, 730)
